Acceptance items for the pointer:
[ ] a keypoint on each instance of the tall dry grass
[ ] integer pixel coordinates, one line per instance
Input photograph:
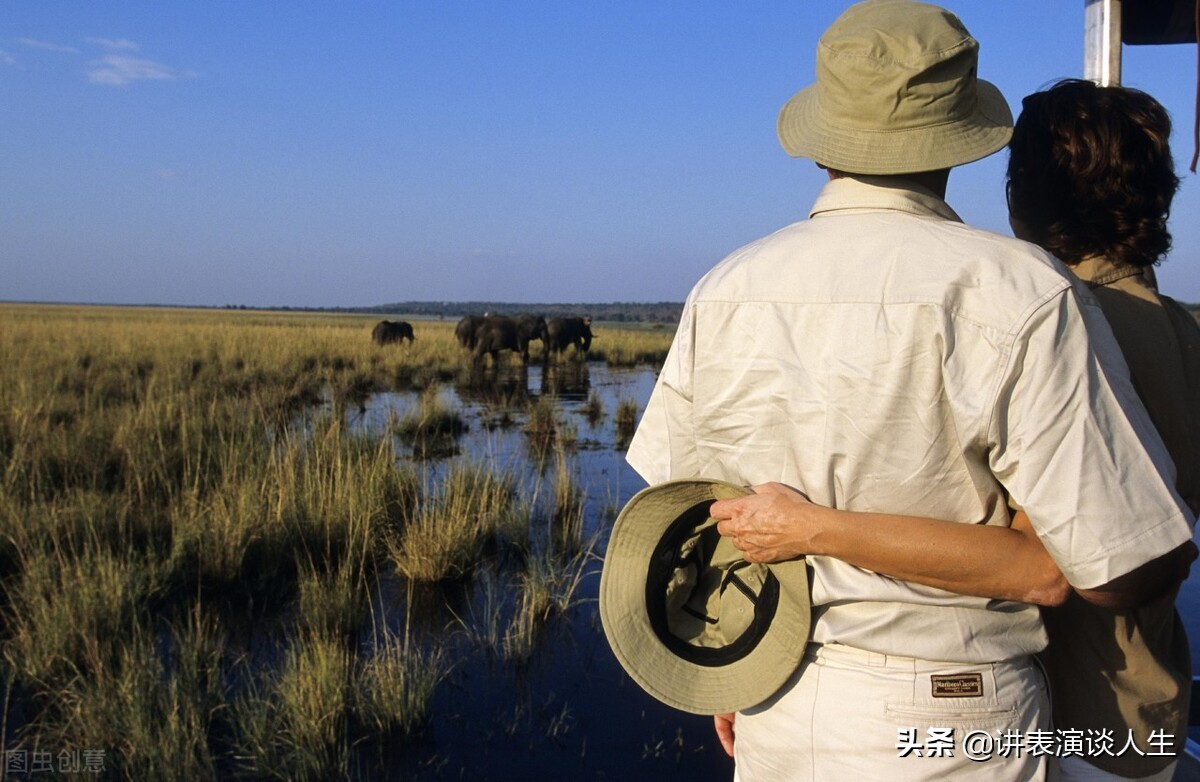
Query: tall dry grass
(445, 534)
(629, 347)
(193, 538)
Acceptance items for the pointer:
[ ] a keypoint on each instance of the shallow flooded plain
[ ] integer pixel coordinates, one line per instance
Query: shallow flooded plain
(257, 546)
(567, 710)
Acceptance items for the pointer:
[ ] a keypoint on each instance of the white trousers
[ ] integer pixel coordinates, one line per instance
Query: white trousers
(849, 714)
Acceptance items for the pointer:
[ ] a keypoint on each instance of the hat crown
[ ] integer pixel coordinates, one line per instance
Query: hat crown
(891, 65)
(896, 92)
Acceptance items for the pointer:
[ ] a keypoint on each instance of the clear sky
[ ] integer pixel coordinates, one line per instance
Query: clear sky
(261, 153)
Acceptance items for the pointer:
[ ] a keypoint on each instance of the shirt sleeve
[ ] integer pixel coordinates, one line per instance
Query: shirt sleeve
(1074, 447)
(664, 445)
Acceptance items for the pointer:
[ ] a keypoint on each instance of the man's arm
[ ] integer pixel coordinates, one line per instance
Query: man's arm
(1007, 563)
(1074, 446)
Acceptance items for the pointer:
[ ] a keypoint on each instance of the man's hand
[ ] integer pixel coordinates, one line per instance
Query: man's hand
(724, 725)
(774, 524)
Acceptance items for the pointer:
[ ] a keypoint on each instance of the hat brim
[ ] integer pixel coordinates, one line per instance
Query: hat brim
(805, 132)
(744, 682)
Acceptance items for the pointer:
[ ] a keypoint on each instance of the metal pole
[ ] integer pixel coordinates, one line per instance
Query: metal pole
(1102, 41)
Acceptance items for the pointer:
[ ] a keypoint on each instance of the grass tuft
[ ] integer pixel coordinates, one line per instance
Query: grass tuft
(444, 537)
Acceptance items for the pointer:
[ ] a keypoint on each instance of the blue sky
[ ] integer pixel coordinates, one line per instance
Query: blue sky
(213, 152)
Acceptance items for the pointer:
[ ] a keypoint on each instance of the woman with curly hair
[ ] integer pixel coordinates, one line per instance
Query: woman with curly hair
(1090, 179)
(1090, 174)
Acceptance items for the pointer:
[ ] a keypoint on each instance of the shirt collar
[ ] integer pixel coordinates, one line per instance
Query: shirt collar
(1098, 270)
(871, 193)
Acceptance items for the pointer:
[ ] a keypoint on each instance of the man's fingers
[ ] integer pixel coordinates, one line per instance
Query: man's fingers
(722, 509)
(724, 726)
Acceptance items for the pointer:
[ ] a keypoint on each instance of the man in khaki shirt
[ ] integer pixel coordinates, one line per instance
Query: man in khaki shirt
(882, 356)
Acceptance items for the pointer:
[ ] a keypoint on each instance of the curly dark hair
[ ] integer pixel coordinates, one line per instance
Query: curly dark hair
(1090, 173)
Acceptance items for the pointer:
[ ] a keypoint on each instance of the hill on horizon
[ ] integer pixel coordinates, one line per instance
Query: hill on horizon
(620, 312)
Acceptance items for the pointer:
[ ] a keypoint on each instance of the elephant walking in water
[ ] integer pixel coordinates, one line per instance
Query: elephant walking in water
(499, 332)
(562, 332)
(388, 331)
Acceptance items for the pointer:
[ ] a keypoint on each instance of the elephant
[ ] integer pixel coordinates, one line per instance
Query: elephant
(388, 331)
(562, 332)
(464, 332)
(499, 332)
(533, 327)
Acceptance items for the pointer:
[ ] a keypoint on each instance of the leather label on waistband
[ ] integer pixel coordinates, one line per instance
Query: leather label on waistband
(958, 685)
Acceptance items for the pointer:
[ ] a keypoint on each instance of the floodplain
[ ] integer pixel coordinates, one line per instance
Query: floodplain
(255, 545)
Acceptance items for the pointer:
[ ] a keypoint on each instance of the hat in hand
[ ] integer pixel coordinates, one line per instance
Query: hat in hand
(693, 623)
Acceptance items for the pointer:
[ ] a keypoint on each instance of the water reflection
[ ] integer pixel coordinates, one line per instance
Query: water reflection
(553, 703)
(502, 387)
(569, 382)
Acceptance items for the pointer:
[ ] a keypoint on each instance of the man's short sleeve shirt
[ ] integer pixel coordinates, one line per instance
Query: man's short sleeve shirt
(882, 356)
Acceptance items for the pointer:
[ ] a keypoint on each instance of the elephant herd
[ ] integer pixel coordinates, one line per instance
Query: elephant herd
(490, 334)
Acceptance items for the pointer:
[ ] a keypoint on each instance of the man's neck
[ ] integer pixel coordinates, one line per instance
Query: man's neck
(933, 181)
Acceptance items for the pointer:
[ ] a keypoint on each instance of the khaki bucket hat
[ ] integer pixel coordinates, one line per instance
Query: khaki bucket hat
(896, 92)
(693, 623)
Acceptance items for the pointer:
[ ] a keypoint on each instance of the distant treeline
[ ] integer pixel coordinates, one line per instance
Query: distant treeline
(621, 312)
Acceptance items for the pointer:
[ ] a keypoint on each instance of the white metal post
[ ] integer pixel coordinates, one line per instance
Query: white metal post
(1102, 41)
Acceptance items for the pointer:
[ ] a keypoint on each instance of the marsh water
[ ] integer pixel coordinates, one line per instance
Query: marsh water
(568, 711)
